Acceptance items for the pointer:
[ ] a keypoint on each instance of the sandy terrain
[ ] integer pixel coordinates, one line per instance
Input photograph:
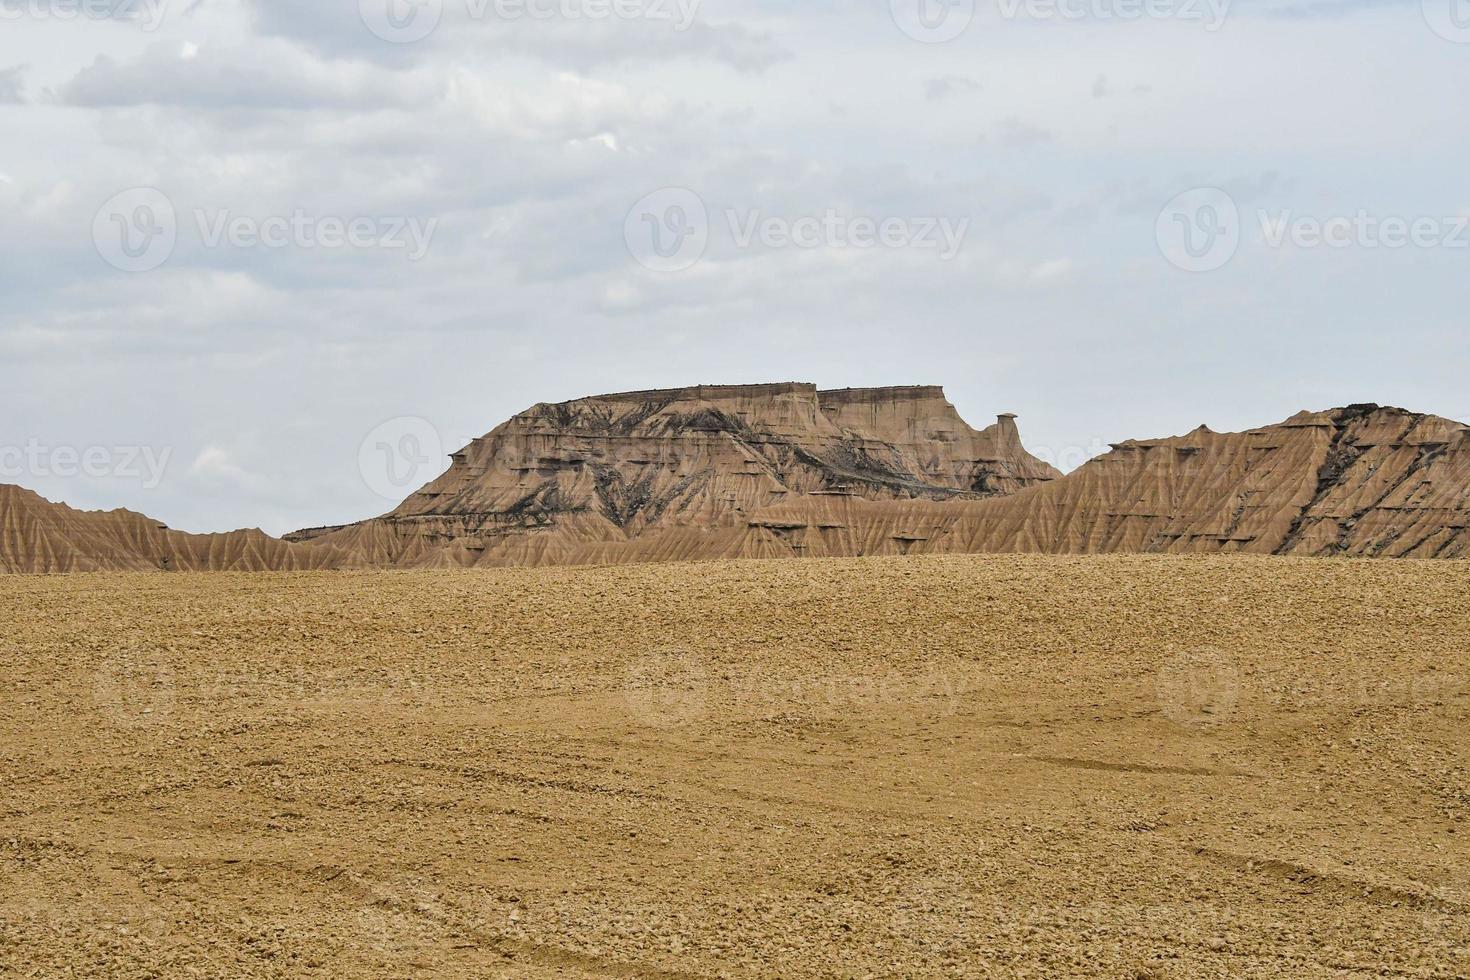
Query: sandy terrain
(1120, 766)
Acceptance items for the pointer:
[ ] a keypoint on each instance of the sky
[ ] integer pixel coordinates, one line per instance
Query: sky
(265, 262)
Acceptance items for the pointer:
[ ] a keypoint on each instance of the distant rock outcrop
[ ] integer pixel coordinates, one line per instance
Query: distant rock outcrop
(1361, 480)
(1355, 481)
(581, 480)
(38, 536)
(769, 471)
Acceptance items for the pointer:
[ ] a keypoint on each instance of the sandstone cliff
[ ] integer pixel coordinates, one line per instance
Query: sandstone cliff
(581, 480)
(1361, 480)
(1357, 481)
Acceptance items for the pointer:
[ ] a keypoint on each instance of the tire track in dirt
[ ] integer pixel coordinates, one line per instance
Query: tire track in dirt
(509, 947)
(1329, 882)
(490, 774)
(1139, 767)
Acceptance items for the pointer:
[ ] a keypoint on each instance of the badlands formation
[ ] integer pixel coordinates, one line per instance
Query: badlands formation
(786, 470)
(707, 472)
(37, 535)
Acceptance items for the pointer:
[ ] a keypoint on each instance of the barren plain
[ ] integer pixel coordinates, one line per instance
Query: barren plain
(926, 766)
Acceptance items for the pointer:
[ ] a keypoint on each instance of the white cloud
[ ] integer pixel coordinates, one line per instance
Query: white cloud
(1051, 270)
(216, 463)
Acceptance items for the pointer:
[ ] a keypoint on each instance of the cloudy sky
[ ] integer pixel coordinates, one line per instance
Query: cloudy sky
(247, 242)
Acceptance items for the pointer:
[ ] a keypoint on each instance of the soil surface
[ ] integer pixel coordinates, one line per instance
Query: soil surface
(897, 767)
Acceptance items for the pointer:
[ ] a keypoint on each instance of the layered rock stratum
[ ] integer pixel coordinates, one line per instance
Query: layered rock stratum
(689, 473)
(786, 470)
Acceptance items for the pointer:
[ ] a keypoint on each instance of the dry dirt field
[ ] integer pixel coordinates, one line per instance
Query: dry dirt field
(979, 766)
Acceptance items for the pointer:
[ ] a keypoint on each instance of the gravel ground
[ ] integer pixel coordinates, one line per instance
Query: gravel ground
(977, 766)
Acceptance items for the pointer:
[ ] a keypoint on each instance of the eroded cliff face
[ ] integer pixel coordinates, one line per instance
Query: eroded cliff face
(1356, 481)
(925, 431)
(771, 471)
(38, 536)
(560, 482)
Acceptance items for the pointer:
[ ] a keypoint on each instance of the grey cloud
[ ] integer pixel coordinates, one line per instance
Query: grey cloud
(1017, 133)
(338, 30)
(268, 76)
(939, 89)
(13, 85)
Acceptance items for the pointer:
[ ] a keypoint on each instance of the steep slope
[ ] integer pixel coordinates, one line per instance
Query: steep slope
(581, 480)
(1362, 481)
(38, 536)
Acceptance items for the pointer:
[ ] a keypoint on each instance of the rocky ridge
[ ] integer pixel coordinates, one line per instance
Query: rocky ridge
(567, 481)
(787, 470)
(38, 536)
